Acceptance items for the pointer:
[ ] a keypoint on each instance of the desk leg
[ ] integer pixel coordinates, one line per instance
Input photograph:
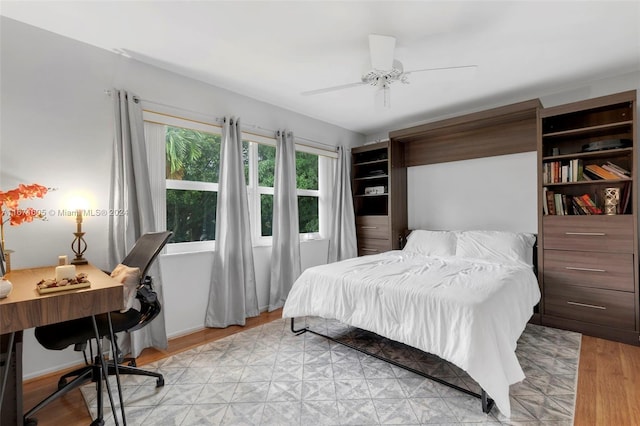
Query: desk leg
(105, 371)
(114, 351)
(11, 377)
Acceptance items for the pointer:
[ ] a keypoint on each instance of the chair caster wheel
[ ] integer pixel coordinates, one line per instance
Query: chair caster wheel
(160, 383)
(32, 421)
(97, 422)
(132, 363)
(62, 383)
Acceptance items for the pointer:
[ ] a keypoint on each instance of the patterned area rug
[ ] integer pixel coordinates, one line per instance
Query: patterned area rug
(269, 376)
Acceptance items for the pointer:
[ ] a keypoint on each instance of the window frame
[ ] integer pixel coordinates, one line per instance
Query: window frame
(326, 164)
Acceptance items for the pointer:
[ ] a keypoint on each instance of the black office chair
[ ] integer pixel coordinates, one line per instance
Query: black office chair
(80, 331)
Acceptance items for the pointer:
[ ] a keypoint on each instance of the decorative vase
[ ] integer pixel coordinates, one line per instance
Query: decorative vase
(5, 288)
(611, 199)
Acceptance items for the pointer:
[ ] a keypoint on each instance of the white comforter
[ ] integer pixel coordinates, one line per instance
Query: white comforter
(469, 312)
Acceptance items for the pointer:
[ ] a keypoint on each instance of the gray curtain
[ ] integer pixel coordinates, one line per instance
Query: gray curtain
(285, 252)
(233, 296)
(342, 234)
(130, 192)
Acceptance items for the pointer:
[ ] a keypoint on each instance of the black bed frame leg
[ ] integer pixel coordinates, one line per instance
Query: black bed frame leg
(293, 329)
(487, 403)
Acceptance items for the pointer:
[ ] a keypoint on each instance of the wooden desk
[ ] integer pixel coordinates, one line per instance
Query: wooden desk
(26, 308)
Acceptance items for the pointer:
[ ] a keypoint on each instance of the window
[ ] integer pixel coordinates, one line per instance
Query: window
(308, 193)
(307, 177)
(192, 169)
(192, 162)
(266, 179)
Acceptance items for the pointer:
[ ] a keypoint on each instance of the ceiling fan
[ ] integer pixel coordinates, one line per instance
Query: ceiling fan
(385, 70)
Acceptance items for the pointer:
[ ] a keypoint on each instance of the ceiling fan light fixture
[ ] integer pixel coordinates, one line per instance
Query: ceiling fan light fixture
(379, 78)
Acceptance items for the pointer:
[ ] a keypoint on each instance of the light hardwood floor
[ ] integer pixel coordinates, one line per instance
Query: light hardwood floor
(608, 380)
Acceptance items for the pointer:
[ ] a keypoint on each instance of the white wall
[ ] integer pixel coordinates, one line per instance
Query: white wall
(190, 275)
(56, 130)
(487, 193)
(495, 192)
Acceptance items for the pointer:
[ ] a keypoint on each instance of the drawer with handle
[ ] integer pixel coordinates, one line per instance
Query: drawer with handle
(372, 246)
(612, 271)
(589, 233)
(372, 227)
(591, 305)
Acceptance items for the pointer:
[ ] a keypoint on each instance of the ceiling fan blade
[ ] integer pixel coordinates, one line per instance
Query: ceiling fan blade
(381, 49)
(462, 72)
(332, 88)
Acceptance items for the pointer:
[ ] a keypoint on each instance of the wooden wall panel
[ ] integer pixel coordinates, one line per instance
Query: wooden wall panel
(499, 131)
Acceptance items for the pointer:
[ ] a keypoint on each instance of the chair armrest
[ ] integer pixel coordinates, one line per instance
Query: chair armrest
(147, 295)
(145, 292)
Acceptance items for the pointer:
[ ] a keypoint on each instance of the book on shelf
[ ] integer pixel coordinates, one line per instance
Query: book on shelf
(581, 204)
(558, 204)
(617, 170)
(563, 205)
(578, 170)
(551, 204)
(598, 172)
(565, 172)
(624, 198)
(557, 172)
(577, 208)
(550, 172)
(591, 206)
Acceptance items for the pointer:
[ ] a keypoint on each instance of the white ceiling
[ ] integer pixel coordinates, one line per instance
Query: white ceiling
(273, 51)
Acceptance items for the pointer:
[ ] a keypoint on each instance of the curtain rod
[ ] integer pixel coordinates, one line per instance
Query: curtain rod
(219, 121)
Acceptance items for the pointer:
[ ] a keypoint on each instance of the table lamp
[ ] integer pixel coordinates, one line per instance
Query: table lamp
(79, 245)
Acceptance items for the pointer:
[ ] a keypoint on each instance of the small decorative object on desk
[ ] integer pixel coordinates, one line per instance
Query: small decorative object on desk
(5, 288)
(611, 200)
(53, 285)
(65, 272)
(10, 212)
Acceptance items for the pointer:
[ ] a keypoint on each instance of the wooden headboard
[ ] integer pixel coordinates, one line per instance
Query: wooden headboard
(505, 130)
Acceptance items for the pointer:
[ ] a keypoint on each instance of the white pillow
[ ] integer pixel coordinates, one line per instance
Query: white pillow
(432, 243)
(130, 278)
(496, 246)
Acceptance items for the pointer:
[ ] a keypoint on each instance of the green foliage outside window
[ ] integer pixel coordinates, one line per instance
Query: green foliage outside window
(266, 215)
(307, 171)
(308, 214)
(306, 178)
(266, 165)
(192, 155)
(191, 215)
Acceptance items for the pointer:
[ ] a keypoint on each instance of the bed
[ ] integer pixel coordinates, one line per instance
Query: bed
(465, 296)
